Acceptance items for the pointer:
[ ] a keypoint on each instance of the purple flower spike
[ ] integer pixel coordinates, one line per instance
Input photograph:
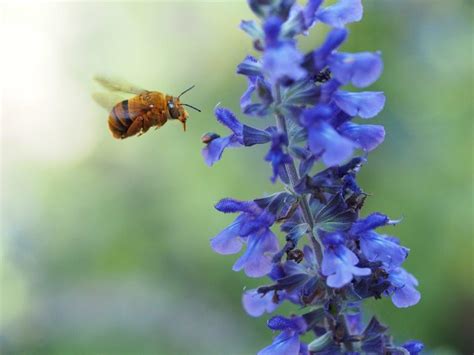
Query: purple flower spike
(330, 259)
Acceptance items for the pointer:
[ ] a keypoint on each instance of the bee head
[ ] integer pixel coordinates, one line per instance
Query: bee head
(176, 110)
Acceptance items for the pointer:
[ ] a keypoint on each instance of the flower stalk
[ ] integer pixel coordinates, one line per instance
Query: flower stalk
(346, 260)
(293, 180)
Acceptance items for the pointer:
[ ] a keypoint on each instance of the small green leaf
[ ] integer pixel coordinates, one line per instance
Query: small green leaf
(334, 216)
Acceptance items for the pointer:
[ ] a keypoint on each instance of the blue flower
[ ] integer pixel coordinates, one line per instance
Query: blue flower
(366, 137)
(339, 262)
(281, 60)
(250, 66)
(414, 347)
(276, 155)
(377, 247)
(309, 12)
(402, 289)
(372, 221)
(358, 69)
(242, 135)
(228, 241)
(333, 40)
(323, 138)
(288, 341)
(256, 83)
(251, 227)
(257, 259)
(363, 104)
(256, 304)
(341, 13)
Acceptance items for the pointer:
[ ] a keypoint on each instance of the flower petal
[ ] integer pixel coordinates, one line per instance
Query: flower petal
(372, 221)
(250, 66)
(367, 136)
(363, 104)
(403, 291)
(228, 119)
(360, 69)
(256, 304)
(284, 344)
(339, 279)
(336, 148)
(228, 241)
(212, 152)
(283, 63)
(342, 13)
(255, 261)
(378, 248)
(230, 205)
(333, 40)
(414, 347)
(339, 265)
(310, 11)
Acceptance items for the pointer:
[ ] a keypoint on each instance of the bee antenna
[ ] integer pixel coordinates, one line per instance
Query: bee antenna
(185, 91)
(195, 108)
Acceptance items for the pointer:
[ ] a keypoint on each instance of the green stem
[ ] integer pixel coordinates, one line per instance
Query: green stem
(294, 178)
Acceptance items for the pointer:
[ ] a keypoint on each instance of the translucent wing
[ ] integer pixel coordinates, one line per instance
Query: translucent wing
(107, 100)
(114, 84)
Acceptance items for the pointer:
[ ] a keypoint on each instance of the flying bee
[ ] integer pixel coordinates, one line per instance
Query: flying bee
(138, 114)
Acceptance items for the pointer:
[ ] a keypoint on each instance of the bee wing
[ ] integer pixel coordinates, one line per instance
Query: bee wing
(107, 100)
(114, 84)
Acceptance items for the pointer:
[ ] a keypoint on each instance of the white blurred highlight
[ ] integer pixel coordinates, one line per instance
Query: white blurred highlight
(43, 116)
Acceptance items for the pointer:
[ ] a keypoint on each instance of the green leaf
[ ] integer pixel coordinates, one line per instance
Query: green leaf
(334, 216)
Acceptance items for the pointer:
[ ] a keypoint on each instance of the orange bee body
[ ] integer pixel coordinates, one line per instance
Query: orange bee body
(139, 113)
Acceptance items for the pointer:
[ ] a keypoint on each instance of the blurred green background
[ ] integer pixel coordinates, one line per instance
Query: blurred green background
(104, 245)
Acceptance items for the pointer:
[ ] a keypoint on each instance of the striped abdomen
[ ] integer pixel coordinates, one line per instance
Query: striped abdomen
(137, 115)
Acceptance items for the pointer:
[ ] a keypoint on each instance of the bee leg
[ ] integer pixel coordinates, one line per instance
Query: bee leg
(136, 127)
(147, 124)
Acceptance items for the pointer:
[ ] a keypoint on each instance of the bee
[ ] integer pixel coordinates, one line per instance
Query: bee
(139, 113)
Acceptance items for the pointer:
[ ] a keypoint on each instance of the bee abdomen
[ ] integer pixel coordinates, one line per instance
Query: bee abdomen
(120, 119)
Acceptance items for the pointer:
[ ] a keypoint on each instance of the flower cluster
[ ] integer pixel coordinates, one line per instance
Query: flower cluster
(346, 258)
